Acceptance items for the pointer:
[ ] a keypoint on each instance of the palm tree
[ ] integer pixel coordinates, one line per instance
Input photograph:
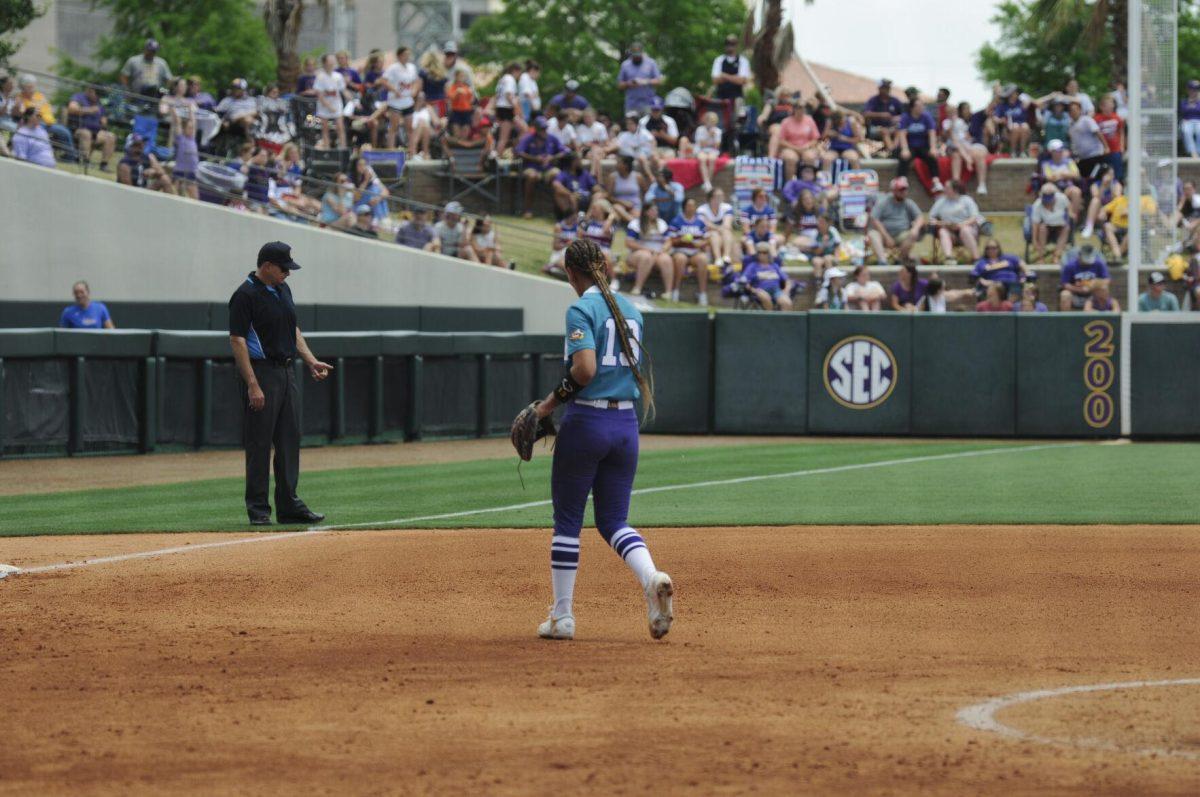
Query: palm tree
(1103, 17)
(283, 19)
(771, 47)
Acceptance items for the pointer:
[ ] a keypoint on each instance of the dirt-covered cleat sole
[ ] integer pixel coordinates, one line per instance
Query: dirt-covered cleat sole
(557, 628)
(658, 598)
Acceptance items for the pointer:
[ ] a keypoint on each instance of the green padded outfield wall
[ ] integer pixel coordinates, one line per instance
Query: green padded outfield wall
(760, 373)
(963, 378)
(1165, 373)
(680, 346)
(1068, 368)
(860, 372)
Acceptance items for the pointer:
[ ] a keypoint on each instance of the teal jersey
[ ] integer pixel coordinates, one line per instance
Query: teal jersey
(590, 325)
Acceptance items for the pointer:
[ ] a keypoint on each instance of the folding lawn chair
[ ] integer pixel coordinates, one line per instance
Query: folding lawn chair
(465, 176)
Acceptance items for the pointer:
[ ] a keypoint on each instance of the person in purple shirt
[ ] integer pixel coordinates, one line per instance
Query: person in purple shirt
(85, 314)
(908, 290)
(31, 142)
(569, 98)
(1012, 121)
(416, 233)
(573, 187)
(1189, 119)
(997, 267)
(353, 80)
(767, 279)
(86, 118)
(805, 180)
(196, 93)
(1081, 272)
(638, 78)
(917, 138)
(882, 112)
(538, 151)
(306, 78)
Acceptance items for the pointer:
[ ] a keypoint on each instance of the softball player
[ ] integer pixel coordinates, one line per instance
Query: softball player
(597, 448)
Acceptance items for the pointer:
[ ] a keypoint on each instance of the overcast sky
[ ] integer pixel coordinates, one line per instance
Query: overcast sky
(923, 43)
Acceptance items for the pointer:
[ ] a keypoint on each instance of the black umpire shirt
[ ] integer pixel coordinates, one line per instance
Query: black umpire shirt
(266, 317)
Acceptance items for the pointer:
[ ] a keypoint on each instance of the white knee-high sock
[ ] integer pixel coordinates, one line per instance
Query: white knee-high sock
(564, 563)
(632, 548)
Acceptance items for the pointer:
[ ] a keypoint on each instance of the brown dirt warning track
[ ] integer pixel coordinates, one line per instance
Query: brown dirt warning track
(803, 660)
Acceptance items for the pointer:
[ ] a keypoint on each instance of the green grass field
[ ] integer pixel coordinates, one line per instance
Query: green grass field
(820, 482)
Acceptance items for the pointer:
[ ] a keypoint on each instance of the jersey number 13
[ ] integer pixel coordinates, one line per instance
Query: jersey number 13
(612, 357)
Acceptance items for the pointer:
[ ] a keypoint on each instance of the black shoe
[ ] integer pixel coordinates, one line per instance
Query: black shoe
(261, 520)
(307, 516)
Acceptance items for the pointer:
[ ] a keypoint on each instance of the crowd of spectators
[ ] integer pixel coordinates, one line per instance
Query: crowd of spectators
(432, 106)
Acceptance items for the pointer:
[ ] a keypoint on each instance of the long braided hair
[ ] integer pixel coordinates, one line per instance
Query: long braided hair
(586, 257)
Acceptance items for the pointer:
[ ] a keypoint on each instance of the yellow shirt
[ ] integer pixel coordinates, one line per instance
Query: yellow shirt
(1118, 210)
(37, 100)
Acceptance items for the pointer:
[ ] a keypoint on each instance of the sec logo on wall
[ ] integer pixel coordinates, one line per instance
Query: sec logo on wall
(860, 372)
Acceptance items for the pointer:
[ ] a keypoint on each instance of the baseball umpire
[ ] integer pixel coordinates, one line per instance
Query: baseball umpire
(266, 340)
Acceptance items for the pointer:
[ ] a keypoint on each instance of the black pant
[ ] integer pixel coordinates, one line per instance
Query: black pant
(278, 424)
(921, 154)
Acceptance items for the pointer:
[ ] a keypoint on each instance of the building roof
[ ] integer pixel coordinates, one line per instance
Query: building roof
(847, 88)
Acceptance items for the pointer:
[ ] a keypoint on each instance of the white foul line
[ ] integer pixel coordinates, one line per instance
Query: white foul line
(982, 717)
(714, 483)
(530, 505)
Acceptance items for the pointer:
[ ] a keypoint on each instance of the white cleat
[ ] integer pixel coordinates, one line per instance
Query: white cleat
(557, 627)
(658, 597)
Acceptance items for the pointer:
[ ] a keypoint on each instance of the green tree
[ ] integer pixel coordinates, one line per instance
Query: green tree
(284, 19)
(585, 40)
(216, 39)
(1043, 42)
(15, 15)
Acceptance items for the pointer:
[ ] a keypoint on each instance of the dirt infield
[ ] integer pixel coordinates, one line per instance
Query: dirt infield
(803, 660)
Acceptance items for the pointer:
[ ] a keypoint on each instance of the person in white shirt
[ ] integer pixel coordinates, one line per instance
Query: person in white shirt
(636, 143)
(403, 84)
(504, 105)
(707, 148)
(528, 92)
(425, 125)
(591, 138)
(331, 99)
(649, 247)
(561, 128)
(718, 215)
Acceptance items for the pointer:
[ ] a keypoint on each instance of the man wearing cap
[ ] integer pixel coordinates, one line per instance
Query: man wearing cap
(896, 222)
(238, 110)
(570, 97)
(1051, 221)
(452, 234)
(266, 339)
(146, 73)
(1081, 272)
(453, 63)
(638, 77)
(538, 151)
(730, 74)
(1156, 297)
(882, 113)
(662, 127)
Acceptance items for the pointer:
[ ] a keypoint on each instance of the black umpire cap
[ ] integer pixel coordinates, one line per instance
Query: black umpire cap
(279, 253)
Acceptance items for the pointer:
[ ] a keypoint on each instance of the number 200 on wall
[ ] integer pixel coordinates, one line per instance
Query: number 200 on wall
(1098, 374)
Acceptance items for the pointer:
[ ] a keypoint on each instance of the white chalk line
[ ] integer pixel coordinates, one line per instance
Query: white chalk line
(982, 717)
(715, 483)
(315, 530)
